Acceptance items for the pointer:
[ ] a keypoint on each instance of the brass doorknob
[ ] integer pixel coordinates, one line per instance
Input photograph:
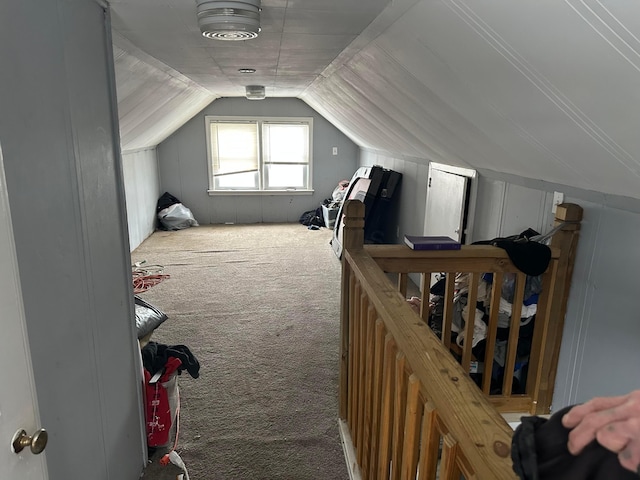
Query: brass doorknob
(37, 442)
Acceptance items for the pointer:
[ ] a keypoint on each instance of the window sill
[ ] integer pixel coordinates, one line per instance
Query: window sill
(213, 193)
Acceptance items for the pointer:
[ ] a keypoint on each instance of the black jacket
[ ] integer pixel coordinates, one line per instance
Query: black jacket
(539, 452)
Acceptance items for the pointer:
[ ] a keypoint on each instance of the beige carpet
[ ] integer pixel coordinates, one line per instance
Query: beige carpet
(259, 307)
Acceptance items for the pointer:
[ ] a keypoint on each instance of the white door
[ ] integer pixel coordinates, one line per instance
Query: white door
(446, 202)
(18, 404)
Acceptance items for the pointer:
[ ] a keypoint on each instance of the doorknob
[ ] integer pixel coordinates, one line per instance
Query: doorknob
(37, 442)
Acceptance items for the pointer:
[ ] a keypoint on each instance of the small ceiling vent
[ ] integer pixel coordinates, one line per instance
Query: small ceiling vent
(255, 92)
(229, 20)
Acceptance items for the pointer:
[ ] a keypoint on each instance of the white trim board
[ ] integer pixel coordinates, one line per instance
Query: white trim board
(349, 451)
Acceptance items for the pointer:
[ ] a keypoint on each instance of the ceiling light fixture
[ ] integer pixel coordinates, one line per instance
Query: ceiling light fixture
(255, 92)
(247, 70)
(229, 20)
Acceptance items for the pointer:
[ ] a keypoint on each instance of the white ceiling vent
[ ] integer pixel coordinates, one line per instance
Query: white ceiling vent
(229, 20)
(255, 92)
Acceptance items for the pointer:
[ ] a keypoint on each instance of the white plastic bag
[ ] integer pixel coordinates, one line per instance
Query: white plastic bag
(340, 191)
(176, 217)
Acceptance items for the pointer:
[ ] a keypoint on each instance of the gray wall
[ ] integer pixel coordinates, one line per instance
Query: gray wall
(600, 342)
(64, 181)
(600, 351)
(183, 165)
(602, 327)
(142, 188)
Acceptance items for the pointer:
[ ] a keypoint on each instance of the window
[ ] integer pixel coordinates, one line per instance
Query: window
(259, 154)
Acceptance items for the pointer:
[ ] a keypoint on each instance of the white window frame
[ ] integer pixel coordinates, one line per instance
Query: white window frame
(261, 190)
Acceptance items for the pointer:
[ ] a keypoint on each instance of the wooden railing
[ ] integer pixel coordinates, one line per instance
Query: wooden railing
(410, 407)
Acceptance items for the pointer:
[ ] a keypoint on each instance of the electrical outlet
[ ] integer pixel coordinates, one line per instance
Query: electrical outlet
(558, 198)
(334, 150)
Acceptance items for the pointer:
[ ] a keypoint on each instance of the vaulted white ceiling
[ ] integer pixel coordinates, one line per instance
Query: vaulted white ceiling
(543, 89)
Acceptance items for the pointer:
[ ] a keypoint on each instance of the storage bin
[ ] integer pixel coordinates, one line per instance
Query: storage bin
(329, 216)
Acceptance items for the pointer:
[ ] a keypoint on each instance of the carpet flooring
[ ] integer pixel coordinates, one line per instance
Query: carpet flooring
(258, 305)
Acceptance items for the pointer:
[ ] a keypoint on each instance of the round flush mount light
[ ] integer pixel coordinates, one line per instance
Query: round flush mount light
(255, 92)
(247, 70)
(229, 20)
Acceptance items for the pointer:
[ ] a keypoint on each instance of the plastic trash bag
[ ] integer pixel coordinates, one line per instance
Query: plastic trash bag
(176, 217)
(340, 191)
(148, 317)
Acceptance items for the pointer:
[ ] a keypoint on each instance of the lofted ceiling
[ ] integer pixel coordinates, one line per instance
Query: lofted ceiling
(543, 89)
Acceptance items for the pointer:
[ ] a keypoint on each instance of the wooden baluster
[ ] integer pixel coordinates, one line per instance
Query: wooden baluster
(470, 322)
(356, 367)
(362, 359)
(492, 331)
(425, 296)
(378, 362)
(352, 239)
(360, 374)
(540, 334)
(447, 316)
(403, 282)
(429, 445)
(350, 376)
(412, 422)
(399, 406)
(449, 469)
(514, 333)
(369, 393)
(386, 413)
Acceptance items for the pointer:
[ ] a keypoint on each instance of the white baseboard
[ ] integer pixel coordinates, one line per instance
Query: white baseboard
(349, 452)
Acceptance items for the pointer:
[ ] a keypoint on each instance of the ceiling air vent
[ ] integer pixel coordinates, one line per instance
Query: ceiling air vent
(255, 92)
(229, 20)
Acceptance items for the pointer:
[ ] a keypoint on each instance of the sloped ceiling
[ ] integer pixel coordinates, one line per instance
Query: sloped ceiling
(153, 100)
(543, 89)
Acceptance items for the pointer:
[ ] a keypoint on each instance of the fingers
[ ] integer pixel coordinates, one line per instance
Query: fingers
(597, 418)
(623, 438)
(617, 435)
(577, 413)
(585, 431)
(614, 422)
(630, 457)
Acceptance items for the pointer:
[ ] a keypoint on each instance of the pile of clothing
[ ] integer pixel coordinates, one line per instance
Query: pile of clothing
(530, 257)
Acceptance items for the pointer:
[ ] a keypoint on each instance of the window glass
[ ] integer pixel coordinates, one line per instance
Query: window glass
(286, 143)
(259, 154)
(286, 176)
(238, 181)
(234, 147)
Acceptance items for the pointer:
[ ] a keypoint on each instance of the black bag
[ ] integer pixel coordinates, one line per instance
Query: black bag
(312, 217)
(165, 201)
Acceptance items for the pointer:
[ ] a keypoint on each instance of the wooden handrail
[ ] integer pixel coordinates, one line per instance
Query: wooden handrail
(473, 259)
(463, 414)
(405, 399)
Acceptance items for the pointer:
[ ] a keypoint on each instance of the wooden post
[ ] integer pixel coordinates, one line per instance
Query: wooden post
(352, 239)
(566, 240)
(353, 225)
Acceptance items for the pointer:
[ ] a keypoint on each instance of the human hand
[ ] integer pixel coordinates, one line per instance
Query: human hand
(414, 303)
(613, 421)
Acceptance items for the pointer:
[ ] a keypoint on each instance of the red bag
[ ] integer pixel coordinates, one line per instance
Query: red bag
(157, 413)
